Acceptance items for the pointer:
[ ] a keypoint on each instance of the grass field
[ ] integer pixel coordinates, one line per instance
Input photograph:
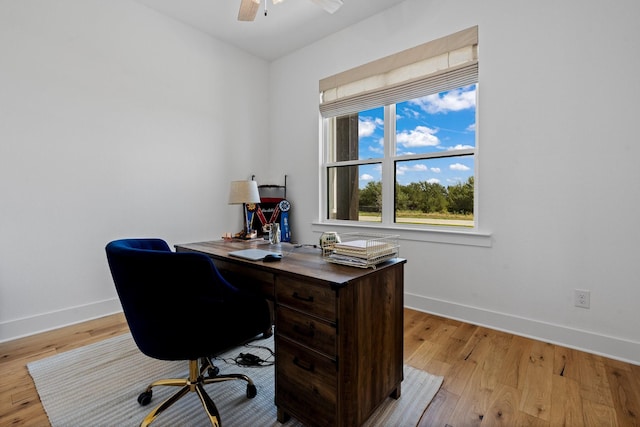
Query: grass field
(413, 217)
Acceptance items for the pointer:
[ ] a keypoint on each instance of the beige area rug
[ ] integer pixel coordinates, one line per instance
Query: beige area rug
(98, 385)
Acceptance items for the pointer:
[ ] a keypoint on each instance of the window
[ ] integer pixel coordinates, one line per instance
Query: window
(400, 143)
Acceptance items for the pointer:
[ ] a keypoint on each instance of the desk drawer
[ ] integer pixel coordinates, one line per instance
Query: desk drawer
(258, 281)
(309, 298)
(306, 384)
(310, 331)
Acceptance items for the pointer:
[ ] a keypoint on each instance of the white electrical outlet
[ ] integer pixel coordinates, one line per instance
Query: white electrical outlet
(582, 298)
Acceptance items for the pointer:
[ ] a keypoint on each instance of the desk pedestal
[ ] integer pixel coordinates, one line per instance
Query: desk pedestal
(338, 331)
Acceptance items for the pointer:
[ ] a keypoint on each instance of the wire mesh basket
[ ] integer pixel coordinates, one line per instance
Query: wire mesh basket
(361, 249)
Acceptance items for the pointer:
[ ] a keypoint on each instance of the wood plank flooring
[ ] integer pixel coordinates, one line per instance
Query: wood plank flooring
(19, 401)
(492, 378)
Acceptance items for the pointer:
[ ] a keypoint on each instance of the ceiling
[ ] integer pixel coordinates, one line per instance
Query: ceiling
(288, 26)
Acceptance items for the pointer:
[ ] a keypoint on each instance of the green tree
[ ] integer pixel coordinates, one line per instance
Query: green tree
(371, 197)
(421, 196)
(402, 197)
(414, 196)
(436, 197)
(461, 197)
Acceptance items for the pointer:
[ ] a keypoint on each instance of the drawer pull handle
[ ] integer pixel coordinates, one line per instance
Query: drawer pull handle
(303, 365)
(308, 299)
(306, 332)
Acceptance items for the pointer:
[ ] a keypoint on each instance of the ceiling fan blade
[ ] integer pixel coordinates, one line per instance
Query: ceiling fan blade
(329, 5)
(248, 10)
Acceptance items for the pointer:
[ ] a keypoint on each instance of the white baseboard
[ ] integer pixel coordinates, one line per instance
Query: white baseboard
(26, 326)
(611, 347)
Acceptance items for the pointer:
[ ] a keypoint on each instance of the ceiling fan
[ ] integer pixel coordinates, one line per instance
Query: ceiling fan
(249, 8)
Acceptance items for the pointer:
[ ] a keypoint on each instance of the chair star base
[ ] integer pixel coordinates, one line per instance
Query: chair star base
(195, 383)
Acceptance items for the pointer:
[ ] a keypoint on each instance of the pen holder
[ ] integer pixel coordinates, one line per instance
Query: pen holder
(274, 233)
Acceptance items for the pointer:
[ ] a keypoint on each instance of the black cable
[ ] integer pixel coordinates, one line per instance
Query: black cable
(250, 359)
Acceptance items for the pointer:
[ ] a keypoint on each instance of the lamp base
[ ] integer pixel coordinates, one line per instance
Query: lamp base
(246, 235)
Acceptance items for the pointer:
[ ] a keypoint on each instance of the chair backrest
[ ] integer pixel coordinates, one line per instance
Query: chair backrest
(168, 298)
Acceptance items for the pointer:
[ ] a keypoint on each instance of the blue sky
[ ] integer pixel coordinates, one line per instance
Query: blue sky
(434, 123)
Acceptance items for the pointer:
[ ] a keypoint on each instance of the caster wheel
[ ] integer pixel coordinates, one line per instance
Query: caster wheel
(251, 391)
(145, 398)
(213, 372)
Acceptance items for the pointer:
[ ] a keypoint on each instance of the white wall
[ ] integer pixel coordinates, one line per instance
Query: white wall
(114, 122)
(558, 178)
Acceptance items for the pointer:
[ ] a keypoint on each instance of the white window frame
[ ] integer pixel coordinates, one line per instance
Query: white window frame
(471, 236)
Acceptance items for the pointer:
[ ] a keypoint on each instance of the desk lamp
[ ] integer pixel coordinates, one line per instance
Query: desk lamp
(244, 192)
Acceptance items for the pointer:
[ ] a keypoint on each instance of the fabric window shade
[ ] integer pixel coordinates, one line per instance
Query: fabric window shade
(440, 65)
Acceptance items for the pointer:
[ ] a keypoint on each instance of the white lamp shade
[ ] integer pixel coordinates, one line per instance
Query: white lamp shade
(243, 192)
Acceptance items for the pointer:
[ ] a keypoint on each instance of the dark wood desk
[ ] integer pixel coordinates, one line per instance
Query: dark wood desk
(338, 329)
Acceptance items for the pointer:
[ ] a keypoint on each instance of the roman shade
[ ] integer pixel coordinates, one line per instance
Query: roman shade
(439, 65)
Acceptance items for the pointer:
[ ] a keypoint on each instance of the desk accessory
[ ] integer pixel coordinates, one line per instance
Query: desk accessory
(272, 257)
(253, 254)
(244, 193)
(273, 209)
(360, 249)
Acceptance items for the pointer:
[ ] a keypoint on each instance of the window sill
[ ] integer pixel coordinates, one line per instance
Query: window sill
(446, 235)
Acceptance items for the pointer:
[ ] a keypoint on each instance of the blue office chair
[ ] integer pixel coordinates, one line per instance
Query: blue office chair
(179, 307)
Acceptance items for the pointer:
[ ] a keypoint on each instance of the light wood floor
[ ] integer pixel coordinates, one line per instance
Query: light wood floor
(491, 378)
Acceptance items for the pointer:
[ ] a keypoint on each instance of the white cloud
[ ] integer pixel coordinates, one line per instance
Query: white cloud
(421, 136)
(366, 128)
(471, 127)
(368, 125)
(401, 170)
(435, 170)
(459, 167)
(433, 181)
(366, 177)
(459, 147)
(377, 150)
(407, 112)
(454, 100)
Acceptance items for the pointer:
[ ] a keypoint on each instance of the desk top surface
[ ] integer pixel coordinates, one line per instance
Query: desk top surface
(305, 261)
